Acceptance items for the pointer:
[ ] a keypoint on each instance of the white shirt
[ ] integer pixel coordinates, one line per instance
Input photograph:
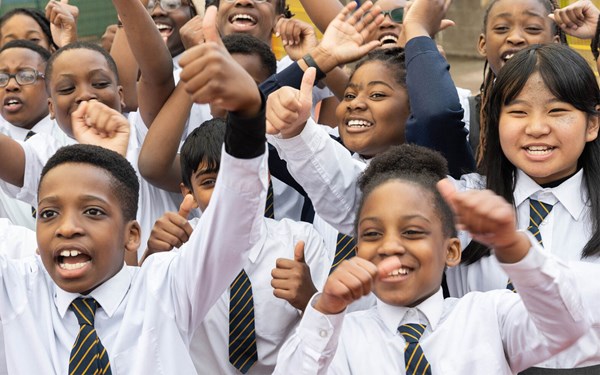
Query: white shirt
(19, 212)
(274, 318)
(482, 333)
(147, 314)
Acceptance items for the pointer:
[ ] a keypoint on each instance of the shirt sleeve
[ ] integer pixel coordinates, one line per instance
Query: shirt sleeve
(548, 317)
(436, 113)
(327, 172)
(312, 347)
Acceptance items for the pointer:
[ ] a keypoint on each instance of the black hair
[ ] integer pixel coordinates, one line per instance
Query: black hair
(124, 181)
(489, 76)
(44, 53)
(204, 144)
(393, 58)
(80, 45)
(246, 44)
(413, 164)
(571, 80)
(38, 16)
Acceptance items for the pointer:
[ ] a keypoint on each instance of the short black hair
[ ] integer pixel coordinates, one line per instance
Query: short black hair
(393, 58)
(246, 44)
(124, 181)
(20, 43)
(38, 16)
(204, 144)
(81, 45)
(413, 164)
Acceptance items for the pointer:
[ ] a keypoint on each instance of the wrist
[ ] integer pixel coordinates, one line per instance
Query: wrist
(515, 250)
(323, 307)
(323, 59)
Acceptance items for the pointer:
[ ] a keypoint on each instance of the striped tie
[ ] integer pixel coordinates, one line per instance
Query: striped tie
(242, 337)
(414, 358)
(30, 134)
(344, 249)
(537, 213)
(88, 355)
(269, 211)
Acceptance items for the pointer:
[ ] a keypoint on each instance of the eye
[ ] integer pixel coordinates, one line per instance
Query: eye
(558, 110)
(534, 29)
(377, 95)
(370, 235)
(101, 84)
(500, 29)
(209, 182)
(47, 214)
(414, 233)
(65, 90)
(349, 96)
(93, 211)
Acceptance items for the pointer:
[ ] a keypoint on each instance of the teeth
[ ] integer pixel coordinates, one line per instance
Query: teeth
(388, 39)
(509, 56)
(399, 272)
(74, 266)
(161, 27)
(12, 101)
(243, 17)
(539, 150)
(69, 253)
(359, 124)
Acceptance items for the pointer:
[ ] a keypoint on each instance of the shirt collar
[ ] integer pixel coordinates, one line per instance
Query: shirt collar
(43, 126)
(571, 193)
(431, 308)
(109, 294)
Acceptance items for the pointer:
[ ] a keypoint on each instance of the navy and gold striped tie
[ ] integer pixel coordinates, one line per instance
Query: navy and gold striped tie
(414, 358)
(344, 249)
(269, 210)
(88, 355)
(242, 335)
(537, 213)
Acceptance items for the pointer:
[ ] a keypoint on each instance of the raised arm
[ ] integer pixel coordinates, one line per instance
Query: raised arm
(152, 55)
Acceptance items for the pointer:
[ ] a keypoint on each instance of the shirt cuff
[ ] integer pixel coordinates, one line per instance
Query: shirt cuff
(320, 331)
(296, 147)
(245, 137)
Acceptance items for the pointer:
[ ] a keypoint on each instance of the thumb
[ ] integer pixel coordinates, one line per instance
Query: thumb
(388, 265)
(446, 23)
(186, 206)
(209, 26)
(299, 252)
(308, 81)
(448, 191)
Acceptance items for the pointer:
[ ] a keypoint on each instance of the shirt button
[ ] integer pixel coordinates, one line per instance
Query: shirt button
(323, 333)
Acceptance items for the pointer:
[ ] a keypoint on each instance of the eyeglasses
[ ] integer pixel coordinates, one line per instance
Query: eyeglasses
(23, 77)
(167, 5)
(396, 15)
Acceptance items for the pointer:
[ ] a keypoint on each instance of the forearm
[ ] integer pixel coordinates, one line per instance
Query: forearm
(128, 69)
(13, 170)
(321, 12)
(158, 162)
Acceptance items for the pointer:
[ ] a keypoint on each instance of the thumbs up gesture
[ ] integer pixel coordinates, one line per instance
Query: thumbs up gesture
(291, 279)
(172, 229)
(212, 76)
(289, 108)
(63, 21)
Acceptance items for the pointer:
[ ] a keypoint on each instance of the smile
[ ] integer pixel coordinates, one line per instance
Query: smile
(539, 150)
(359, 124)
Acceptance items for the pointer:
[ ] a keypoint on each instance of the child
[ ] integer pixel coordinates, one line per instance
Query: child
(277, 301)
(86, 224)
(508, 27)
(406, 238)
(28, 24)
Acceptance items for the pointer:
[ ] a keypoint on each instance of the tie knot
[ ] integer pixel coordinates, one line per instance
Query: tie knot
(412, 332)
(29, 134)
(85, 310)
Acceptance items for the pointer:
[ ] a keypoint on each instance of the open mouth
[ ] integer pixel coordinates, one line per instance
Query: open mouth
(12, 104)
(538, 150)
(72, 260)
(243, 20)
(165, 30)
(398, 274)
(358, 124)
(388, 39)
(508, 55)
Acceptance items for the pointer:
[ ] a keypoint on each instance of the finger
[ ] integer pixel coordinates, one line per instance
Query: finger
(296, 33)
(448, 192)
(186, 206)
(209, 26)
(280, 283)
(282, 294)
(446, 23)
(388, 265)
(155, 245)
(64, 1)
(285, 265)
(306, 86)
(299, 252)
(271, 129)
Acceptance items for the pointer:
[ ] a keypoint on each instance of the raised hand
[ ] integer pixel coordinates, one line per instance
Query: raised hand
(191, 33)
(211, 75)
(291, 279)
(172, 229)
(288, 109)
(350, 281)
(97, 124)
(578, 19)
(426, 17)
(63, 21)
(489, 218)
(298, 37)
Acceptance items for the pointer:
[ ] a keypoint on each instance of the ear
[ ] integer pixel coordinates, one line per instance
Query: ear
(51, 109)
(185, 191)
(121, 97)
(132, 236)
(592, 126)
(556, 38)
(481, 45)
(453, 252)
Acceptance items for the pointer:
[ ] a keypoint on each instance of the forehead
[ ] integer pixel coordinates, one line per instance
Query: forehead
(80, 61)
(72, 179)
(375, 71)
(20, 56)
(20, 23)
(396, 199)
(391, 4)
(511, 8)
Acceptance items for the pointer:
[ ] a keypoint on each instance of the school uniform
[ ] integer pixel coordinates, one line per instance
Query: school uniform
(274, 317)
(18, 212)
(147, 314)
(481, 333)
(564, 232)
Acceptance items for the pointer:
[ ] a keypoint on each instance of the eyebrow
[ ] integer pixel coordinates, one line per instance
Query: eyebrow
(527, 12)
(372, 83)
(521, 101)
(405, 217)
(85, 198)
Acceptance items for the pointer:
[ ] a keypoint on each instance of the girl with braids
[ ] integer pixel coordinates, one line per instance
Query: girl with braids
(543, 157)
(508, 27)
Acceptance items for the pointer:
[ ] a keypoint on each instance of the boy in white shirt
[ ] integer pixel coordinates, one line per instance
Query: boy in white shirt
(406, 238)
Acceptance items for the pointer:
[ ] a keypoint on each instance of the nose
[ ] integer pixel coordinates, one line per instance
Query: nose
(158, 10)
(69, 226)
(12, 85)
(391, 245)
(538, 126)
(85, 94)
(244, 3)
(358, 104)
(515, 37)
